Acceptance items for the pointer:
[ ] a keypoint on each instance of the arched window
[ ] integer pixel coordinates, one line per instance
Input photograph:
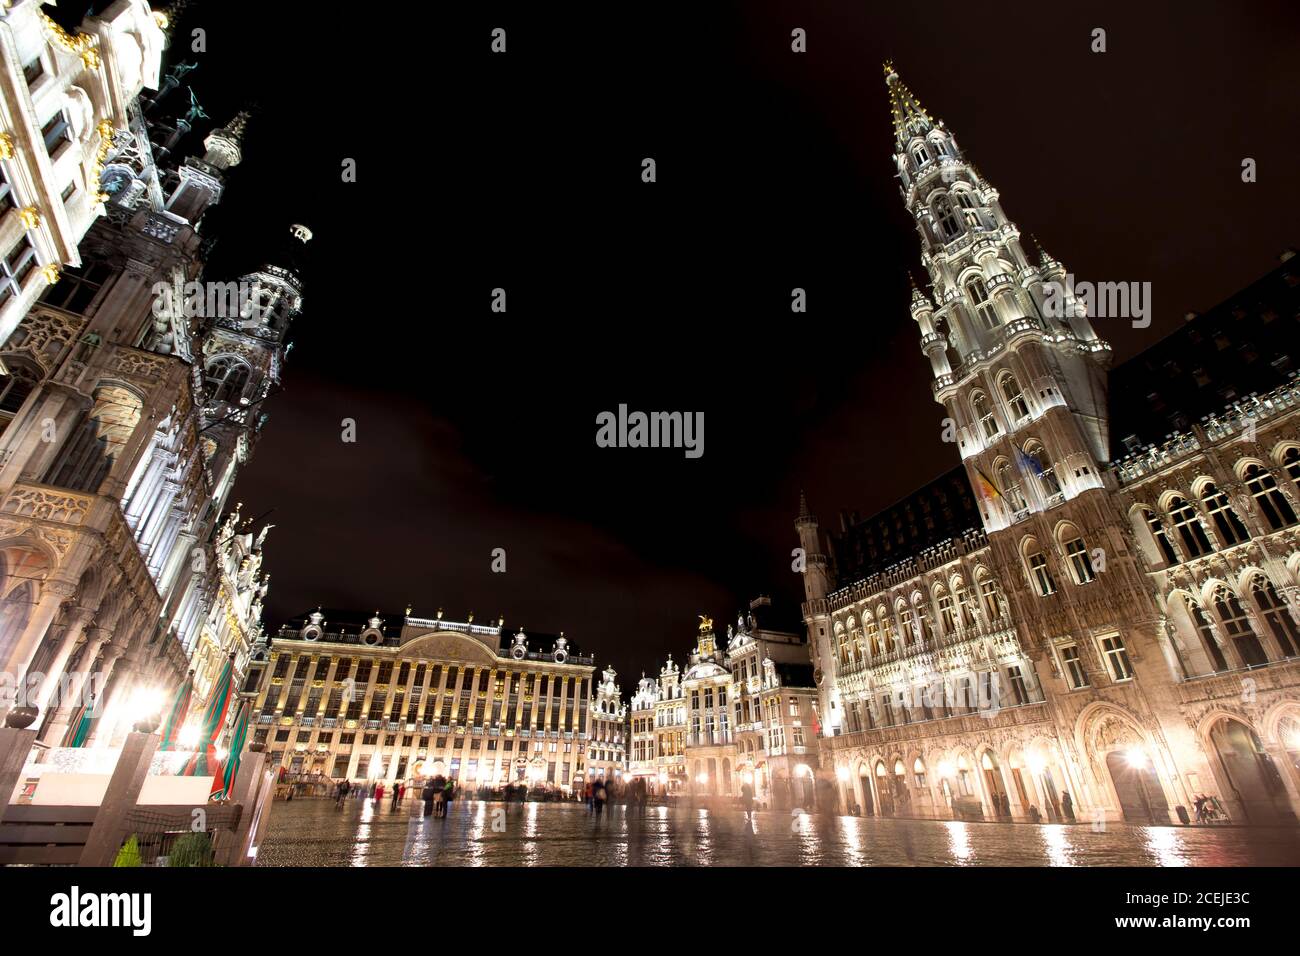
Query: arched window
(873, 635)
(844, 645)
(1039, 573)
(920, 155)
(1041, 465)
(989, 598)
(1272, 503)
(1236, 625)
(907, 622)
(1277, 616)
(1014, 397)
(947, 612)
(14, 388)
(969, 207)
(1076, 553)
(1159, 535)
(984, 415)
(225, 378)
(1231, 530)
(978, 294)
(966, 601)
(946, 219)
(886, 628)
(1188, 523)
(1291, 464)
(1206, 633)
(924, 629)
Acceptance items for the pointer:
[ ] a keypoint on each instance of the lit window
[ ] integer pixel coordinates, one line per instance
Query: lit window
(1116, 656)
(1015, 398)
(946, 217)
(989, 596)
(1080, 563)
(947, 613)
(984, 415)
(1188, 524)
(1074, 669)
(1159, 535)
(978, 294)
(1236, 625)
(1231, 530)
(1277, 616)
(1272, 503)
(1039, 573)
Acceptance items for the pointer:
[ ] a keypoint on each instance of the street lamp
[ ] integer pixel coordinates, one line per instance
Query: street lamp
(145, 710)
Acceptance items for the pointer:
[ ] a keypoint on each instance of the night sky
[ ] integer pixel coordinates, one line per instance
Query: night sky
(476, 430)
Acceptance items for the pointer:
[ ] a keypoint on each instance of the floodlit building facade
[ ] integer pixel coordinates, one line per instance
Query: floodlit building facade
(607, 747)
(130, 402)
(396, 698)
(65, 93)
(741, 714)
(1095, 613)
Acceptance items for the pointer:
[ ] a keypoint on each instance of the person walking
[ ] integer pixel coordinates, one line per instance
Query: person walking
(598, 796)
(588, 790)
(379, 792)
(427, 795)
(448, 794)
(397, 796)
(1067, 807)
(747, 800)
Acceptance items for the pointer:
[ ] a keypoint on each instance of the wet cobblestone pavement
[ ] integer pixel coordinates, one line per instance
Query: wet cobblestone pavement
(476, 833)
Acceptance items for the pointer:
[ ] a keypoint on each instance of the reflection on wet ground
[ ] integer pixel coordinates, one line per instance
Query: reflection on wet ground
(477, 833)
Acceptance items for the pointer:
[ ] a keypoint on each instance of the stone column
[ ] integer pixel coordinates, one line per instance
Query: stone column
(77, 621)
(53, 594)
(57, 727)
(118, 680)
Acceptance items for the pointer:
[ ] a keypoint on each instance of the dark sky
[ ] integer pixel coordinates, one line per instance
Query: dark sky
(476, 430)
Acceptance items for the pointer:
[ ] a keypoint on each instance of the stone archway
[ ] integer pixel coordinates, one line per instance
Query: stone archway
(1246, 772)
(1114, 740)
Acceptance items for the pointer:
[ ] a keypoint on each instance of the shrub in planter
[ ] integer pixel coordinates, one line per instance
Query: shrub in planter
(192, 849)
(129, 854)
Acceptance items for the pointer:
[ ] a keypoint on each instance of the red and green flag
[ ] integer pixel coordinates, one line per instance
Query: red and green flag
(177, 713)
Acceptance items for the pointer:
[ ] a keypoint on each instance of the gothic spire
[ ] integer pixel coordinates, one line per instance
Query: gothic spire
(910, 118)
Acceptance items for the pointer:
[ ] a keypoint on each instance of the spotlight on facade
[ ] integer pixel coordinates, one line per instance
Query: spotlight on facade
(188, 738)
(842, 773)
(1036, 763)
(803, 770)
(702, 779)
(1136, 757)
(946, 768)
(748, 777)
(663, 778)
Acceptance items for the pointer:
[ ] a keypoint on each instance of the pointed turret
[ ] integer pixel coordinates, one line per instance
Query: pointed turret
(910, 118)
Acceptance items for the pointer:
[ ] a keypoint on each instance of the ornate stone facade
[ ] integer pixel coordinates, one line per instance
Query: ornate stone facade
(346, 697)
(1050, 631)
(127, 414)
